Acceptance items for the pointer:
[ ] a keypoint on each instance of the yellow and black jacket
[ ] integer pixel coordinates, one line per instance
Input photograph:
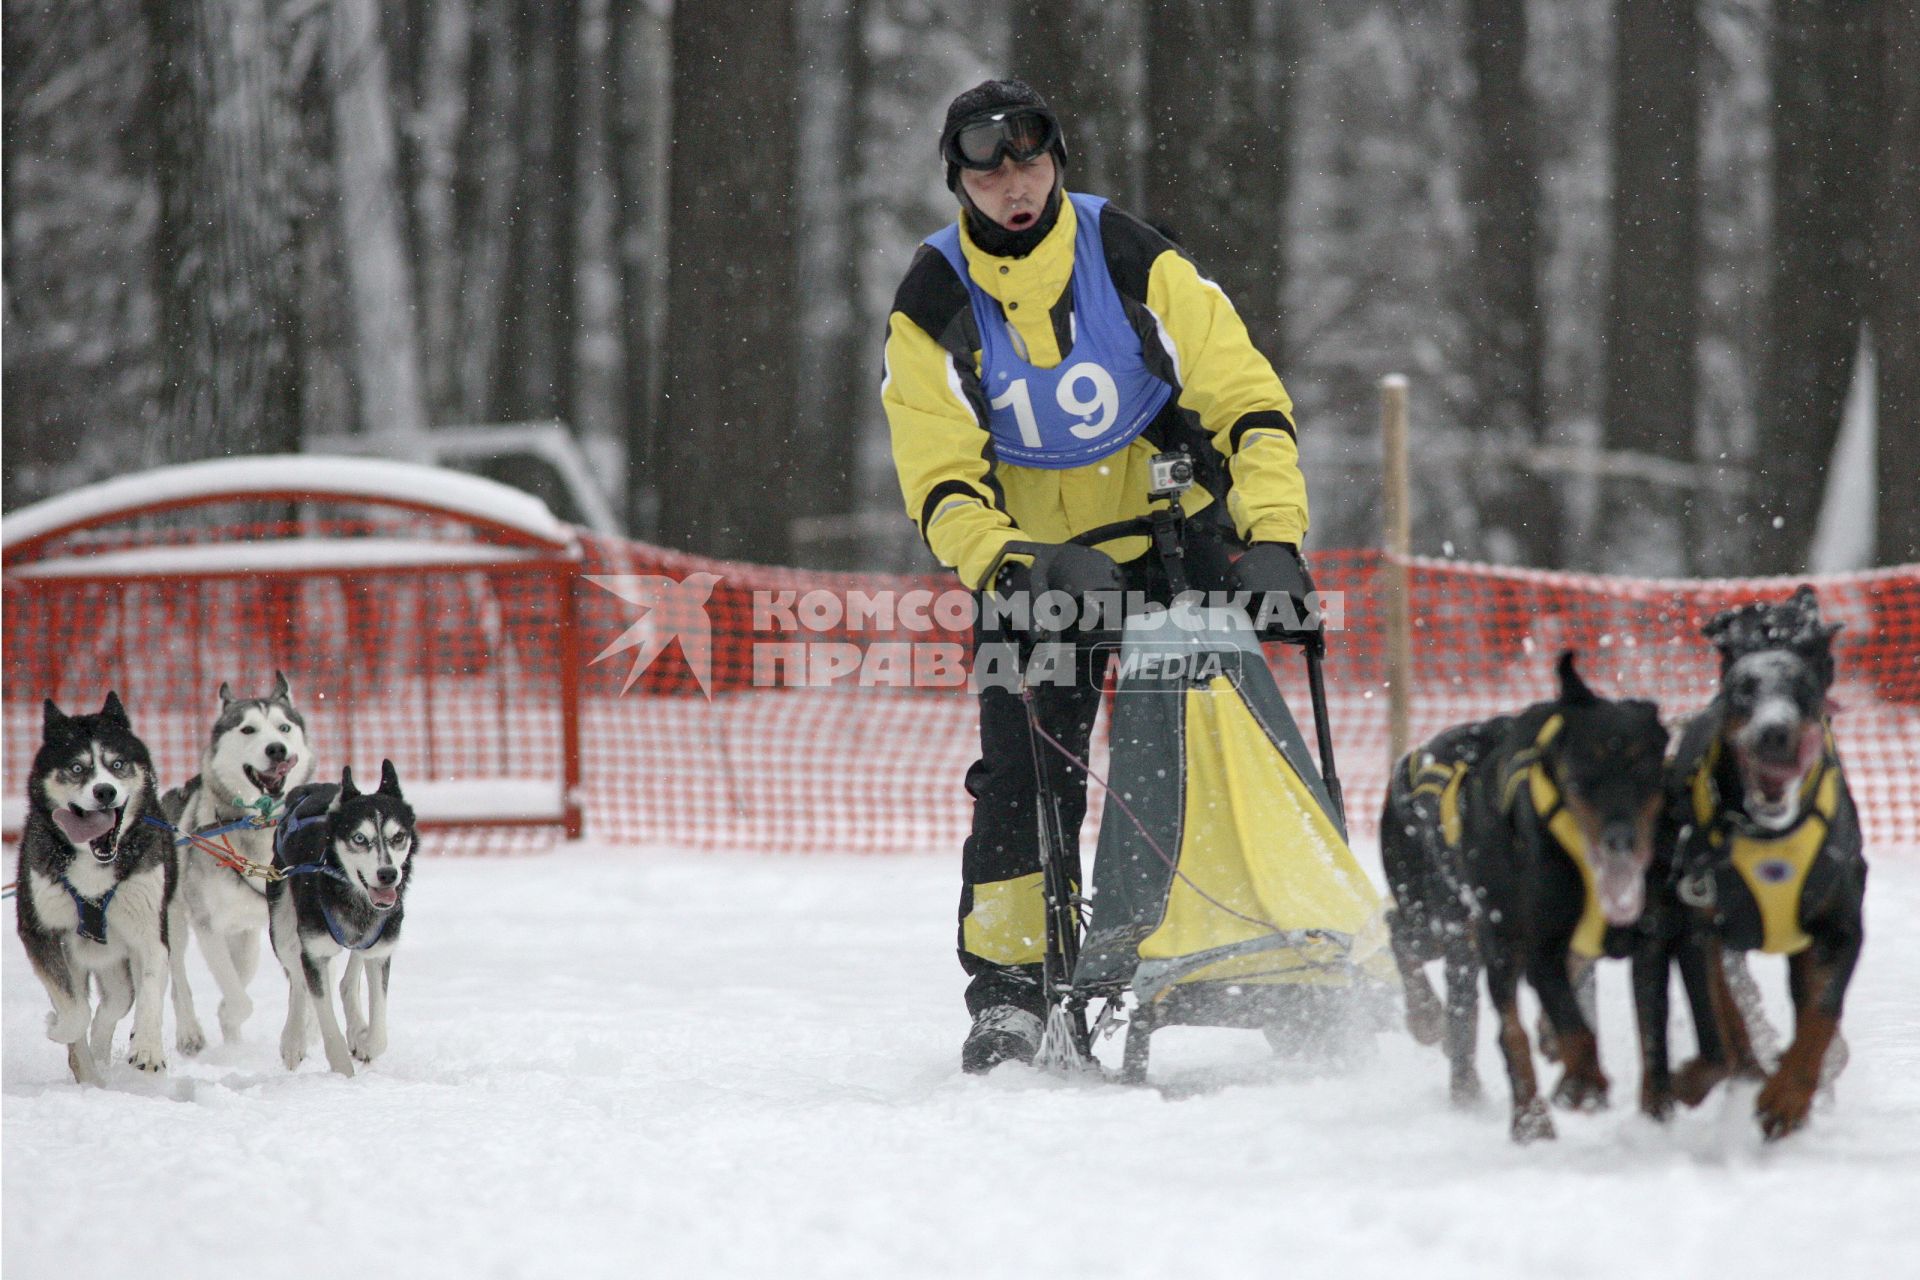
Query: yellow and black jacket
(1229, 409)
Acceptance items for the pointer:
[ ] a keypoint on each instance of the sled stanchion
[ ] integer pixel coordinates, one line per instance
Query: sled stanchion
(1323, 728)
(1064, 1040)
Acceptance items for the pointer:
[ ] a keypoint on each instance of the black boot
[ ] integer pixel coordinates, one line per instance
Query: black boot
(1001, 1033)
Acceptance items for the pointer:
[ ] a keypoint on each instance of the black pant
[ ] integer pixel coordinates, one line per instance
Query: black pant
(1002, 909)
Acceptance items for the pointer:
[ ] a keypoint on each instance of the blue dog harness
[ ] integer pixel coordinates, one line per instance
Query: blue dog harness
(93, 915)
(294, 822)
(1098, 398)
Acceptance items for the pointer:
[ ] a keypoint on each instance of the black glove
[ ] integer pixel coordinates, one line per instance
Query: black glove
(1066, 566)
(1270, 568)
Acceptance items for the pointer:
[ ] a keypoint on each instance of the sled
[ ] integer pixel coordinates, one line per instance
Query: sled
(1223, 890)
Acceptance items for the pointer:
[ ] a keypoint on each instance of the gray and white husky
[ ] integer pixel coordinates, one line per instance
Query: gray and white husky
(257, 754)
(348, 856)
(95, 882)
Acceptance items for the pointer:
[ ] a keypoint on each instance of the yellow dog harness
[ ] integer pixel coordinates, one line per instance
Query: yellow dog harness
(1773, 866)
(1527, 768)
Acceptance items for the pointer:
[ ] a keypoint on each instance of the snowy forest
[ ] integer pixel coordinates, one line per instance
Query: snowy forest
(1640, 259)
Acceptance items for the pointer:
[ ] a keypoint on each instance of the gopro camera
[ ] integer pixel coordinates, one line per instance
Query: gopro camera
(1170, 474)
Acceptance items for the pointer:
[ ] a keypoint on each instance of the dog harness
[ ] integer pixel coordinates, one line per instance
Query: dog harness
(294, 822)
(1098, 398)
(1773, 867)
(373, 934)
(93, 915)
(1527, 768)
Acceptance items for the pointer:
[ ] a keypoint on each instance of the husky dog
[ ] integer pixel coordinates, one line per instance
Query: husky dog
(257, 752)
(348, 857)
(95, 883)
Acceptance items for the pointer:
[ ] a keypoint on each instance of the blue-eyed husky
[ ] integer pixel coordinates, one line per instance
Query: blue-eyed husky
(348, 856)
(256, 754)
(95, 882)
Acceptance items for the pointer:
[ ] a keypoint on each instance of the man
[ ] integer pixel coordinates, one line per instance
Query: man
(1041, 350)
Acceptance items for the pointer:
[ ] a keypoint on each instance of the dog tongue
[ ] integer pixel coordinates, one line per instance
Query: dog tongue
(84, 828)
(384, 897)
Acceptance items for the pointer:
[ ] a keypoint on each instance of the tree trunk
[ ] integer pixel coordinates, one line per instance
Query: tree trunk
(1506, 327)
(639, 235)
(224, 241)
(1822, 217)
(727, 461)
(485, 199)
(840, 361)
(440, 111)
(379, 275)
(1217, 154)
(1063, 50)
(1896, 316)
(1653, 309)
(535, 376)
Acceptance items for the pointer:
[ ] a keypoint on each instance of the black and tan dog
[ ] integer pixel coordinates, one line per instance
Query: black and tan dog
(1768, 851)
(1514, 843)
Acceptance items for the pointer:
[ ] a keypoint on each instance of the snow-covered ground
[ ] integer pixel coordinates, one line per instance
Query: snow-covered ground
(616, 1062)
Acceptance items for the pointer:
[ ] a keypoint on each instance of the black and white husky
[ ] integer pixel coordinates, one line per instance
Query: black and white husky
(348, 856)
(256, 754)
(95, 883)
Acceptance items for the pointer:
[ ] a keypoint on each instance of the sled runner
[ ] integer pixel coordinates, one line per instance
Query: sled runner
(1223, 892)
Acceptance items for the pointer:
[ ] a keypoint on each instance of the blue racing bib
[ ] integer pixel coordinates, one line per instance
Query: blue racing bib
(1101, 394)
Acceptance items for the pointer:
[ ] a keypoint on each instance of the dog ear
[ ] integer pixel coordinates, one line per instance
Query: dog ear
(114, 713)
(52, 717)
(389, 780)
(347, 790)
(1648, 708)
(1717, 629)
(1573, 690)
(226, 695)
(282, 691)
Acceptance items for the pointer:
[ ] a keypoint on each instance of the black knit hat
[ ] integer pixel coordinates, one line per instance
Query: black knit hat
(986, 98)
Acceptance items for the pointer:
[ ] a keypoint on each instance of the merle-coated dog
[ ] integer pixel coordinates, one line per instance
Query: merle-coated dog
(1768, 849)
(347, 856)
(1513, 843)
(95, 881)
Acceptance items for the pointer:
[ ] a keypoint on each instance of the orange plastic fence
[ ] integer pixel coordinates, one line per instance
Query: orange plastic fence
(457, 675)
(860, 765)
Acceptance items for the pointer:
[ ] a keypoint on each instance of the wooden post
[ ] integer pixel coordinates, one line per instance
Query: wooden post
(1399, 540)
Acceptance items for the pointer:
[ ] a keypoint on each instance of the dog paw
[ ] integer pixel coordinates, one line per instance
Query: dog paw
(293, 1050)
(68, 1028)
(1426, 1019)
(147, 1057)
(80, 1063)
(1582, 1091)
(365, 1045)
(1531, 1123)
(1696, 1079)
(189, 1039)
(1656, 1101)
(1464, 1089)
(342, 1065)
(1783, 1105)
(234, 1013)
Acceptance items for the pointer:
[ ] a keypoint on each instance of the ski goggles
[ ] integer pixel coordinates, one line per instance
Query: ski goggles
(1018, 134)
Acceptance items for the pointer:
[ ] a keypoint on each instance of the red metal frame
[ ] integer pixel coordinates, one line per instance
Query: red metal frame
(559, 565)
